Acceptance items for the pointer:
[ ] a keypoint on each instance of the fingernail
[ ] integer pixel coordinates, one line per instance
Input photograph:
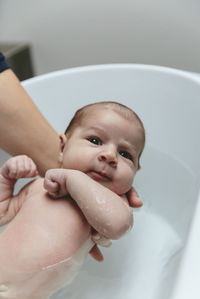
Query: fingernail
(96, 237)
(106, 243)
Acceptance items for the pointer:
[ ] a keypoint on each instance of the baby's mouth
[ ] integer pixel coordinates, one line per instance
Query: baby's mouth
(99, 176)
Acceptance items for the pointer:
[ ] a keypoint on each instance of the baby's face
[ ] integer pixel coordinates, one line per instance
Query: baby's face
(106, 147)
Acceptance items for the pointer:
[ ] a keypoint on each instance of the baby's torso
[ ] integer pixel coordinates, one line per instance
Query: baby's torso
(44, 233)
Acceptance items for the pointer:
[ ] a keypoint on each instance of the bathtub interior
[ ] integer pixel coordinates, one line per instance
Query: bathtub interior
(144, 263)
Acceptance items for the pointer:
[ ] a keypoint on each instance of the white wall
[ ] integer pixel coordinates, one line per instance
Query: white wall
(67, 33)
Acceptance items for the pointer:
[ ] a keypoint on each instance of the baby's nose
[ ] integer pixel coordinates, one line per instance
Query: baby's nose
(109, 156)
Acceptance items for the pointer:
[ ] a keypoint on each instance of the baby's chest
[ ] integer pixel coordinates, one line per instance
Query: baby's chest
(44, 232)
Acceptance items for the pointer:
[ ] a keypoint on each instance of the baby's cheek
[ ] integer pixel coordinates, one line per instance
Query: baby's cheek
(125, 184)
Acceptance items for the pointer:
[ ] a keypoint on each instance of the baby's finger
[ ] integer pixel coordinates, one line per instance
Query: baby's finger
(12, 169)
(102, 241)
(5, 170)
(50, 186)
(20, 169)
(26, 168)
(32, 169)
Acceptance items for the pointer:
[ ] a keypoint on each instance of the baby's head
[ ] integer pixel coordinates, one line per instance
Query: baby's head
(104, 140)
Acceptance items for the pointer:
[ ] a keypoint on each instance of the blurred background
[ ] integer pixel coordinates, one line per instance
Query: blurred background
(41, 36)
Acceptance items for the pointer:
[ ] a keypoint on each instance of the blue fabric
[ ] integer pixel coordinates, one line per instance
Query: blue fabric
(3, 64)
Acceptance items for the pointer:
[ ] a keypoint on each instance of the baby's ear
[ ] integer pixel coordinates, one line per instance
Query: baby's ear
(63, 140)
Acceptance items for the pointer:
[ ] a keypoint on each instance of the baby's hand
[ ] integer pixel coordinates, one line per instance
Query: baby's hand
(55, 183)
(19, 167)
(101, 240)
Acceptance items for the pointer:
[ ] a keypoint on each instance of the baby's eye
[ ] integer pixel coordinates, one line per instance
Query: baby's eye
(95, 140)
(126, 155)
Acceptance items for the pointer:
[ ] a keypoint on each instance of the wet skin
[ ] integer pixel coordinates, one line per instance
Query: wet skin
(38, 237)
(45, 231)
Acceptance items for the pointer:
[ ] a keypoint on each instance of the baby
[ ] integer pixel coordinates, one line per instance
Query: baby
(47, 239)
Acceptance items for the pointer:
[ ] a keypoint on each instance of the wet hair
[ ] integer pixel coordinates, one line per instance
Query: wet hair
(122, 110)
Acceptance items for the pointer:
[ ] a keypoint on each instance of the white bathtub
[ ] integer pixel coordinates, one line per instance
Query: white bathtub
(160, 258)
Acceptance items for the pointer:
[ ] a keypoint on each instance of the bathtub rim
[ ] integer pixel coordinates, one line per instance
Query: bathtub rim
(195, 77)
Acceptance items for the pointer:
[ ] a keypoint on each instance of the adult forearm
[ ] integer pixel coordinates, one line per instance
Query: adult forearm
(23, 129)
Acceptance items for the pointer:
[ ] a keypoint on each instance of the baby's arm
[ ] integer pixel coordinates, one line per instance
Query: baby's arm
(13, 169)
(108, 213)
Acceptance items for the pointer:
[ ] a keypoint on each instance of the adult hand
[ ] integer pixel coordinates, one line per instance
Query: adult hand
(96, 253)
(134, 199)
